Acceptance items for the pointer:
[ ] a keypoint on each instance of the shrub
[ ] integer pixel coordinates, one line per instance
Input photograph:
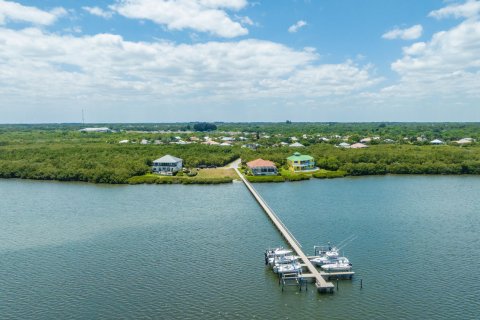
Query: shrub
(265, 178)
(324, 174)
(292, 176)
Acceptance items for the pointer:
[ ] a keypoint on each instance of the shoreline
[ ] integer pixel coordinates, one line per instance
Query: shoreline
(239, 180)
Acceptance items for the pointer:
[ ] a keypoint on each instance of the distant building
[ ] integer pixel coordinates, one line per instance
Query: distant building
(296, 145)
(211, 143)
(436, 141)
(225, 144)
(123, 141)
(262, 167)
(465, 141)
(366, 140)
(344, 145)
(299, 162)
(252, 146)
(144, 141)
(89, 130)
(358, 146)
(167, 165)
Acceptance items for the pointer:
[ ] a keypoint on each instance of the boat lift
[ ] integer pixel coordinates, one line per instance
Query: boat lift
(293, 279)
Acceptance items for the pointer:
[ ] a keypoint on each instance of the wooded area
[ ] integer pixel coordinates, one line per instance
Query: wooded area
(60, 152)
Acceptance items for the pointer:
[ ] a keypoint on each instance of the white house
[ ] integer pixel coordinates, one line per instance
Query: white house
(225, 144)
(465, 141)
(296, 145)
(358, 146)
(103, 129)
(167, 165)
(344, 145)
(436, 141)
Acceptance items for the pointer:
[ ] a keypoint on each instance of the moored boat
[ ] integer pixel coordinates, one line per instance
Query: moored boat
(287, 268)
(320, 261)
(279, 256)
(341, 264)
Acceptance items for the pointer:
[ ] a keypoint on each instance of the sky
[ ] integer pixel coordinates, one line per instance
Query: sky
(239, 60)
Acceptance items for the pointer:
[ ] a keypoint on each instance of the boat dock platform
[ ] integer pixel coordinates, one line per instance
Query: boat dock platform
(322, 285)
(332, 275)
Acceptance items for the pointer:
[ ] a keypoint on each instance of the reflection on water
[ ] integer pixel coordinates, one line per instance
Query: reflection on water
(87, 251)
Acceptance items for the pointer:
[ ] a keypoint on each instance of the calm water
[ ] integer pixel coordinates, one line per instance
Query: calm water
(80, 251)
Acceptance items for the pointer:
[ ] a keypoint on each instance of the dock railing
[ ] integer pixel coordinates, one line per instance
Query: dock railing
(321, 284)
(275, 215)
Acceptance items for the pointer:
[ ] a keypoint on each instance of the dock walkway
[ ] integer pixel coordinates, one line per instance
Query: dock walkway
(321, 284)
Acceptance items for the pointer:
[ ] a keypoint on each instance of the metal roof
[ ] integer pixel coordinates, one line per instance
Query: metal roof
(168, 159)
(300, 157)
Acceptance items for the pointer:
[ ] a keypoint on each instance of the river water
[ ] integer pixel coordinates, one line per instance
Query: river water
(83, 251)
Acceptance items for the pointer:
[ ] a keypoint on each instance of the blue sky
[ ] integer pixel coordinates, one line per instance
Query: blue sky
(239, 60)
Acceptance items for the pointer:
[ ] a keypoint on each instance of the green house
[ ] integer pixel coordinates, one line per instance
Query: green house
(301, 162)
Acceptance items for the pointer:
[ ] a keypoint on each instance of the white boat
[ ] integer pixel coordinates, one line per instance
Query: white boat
(332, 253)
(320, 261)
(326, 255)
(341, 264)
(287, 268)
(279, 256)
(289, 258)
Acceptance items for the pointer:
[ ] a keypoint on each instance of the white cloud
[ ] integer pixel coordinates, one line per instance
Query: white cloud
(297, 26)
(446, 68)
(40, 66)
(245, 20)
(411, 33)
(469, 9)
(96, 11)
(200, 15)
(13, 11)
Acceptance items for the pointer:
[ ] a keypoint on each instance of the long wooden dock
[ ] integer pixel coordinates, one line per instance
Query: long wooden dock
(321, 284)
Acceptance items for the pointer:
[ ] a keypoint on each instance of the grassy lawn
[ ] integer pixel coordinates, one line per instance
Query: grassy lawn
(204, 176)
(217, 173)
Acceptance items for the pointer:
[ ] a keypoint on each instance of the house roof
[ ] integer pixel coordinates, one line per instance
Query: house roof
(260, 163)
(464, 141)
(102, 129)
(296, 144)
(358, 146)
(299, 157)
(168, 159)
